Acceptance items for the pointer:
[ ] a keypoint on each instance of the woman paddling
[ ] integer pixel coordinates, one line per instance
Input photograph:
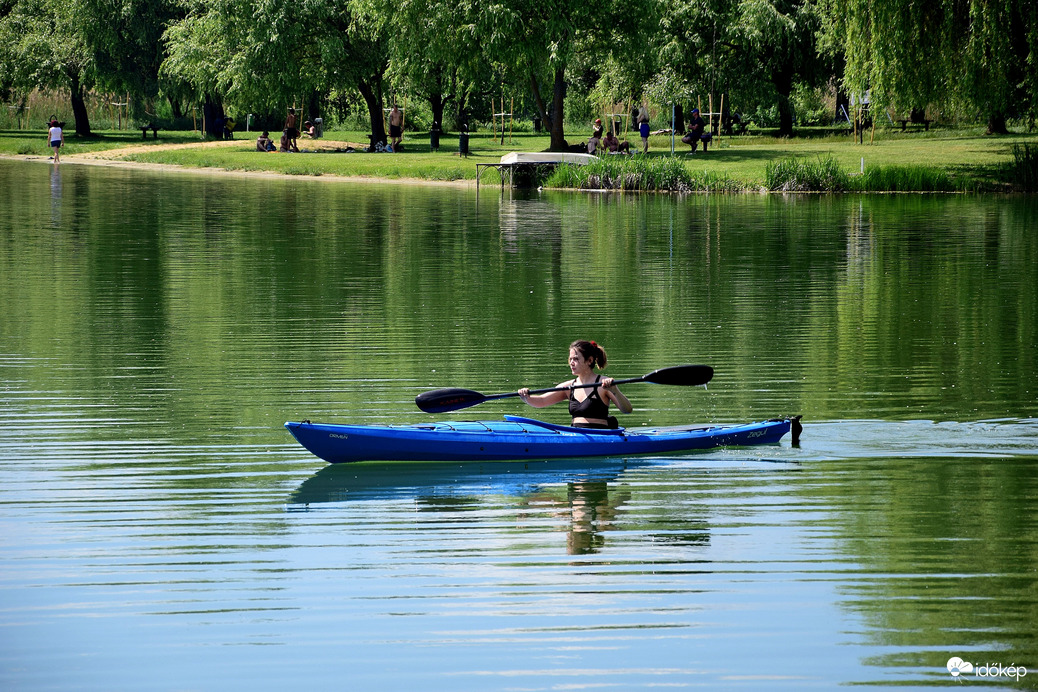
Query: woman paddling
(589, 406)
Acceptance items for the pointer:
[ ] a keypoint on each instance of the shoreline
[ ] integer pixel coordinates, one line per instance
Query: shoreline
(105, 162)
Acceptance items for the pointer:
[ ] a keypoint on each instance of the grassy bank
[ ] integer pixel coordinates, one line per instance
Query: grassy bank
(935, 160)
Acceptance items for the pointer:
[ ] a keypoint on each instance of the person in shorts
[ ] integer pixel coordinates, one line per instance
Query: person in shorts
(56, 138)
(396, 127)
(643, 128)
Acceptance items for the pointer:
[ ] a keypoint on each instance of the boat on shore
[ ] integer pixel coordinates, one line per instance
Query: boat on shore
(516, 437)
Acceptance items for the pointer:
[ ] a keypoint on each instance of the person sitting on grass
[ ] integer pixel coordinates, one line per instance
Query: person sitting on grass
(614, 145)
(696, 132)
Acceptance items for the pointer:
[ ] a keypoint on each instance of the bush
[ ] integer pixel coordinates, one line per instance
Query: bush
(1022, 171)
(638, 173)
(904, 179)
(797, 175)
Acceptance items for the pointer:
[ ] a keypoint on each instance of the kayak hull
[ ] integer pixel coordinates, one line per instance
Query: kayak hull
(518, 438)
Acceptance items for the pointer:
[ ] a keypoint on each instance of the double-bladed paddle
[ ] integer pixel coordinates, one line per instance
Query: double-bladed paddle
(443, 400)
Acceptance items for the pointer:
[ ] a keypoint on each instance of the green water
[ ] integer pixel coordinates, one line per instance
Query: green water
(161, 530)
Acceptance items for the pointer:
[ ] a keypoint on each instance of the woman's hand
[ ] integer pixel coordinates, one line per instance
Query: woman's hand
(524, 394)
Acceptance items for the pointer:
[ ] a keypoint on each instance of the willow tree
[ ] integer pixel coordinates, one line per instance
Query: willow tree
(980, 55)
(42, 46)
(535, 42)
(434, 52)
(227, 54)
(755, 50)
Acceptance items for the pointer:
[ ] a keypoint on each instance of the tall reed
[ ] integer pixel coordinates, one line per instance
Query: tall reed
(798, 175)
(637, 172)
(1022, 171)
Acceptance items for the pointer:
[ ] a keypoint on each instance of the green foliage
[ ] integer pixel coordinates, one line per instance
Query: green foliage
(799, 175)
(904, 179)
(1022, 171)
(977, 55)
(638, 173)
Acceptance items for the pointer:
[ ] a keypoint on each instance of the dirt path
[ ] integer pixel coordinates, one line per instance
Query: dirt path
(114, 158)
(246, 144)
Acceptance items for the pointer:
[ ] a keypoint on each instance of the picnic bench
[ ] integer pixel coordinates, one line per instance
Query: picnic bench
(916, 117)
(154, 130)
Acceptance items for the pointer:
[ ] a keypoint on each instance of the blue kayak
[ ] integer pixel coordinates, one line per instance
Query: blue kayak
(521, 438)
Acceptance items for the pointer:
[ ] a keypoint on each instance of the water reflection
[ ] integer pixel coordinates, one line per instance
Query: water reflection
(375, 480)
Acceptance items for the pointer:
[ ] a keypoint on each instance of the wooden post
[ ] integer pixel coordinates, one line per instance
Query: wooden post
(511, 118)
(720, 121)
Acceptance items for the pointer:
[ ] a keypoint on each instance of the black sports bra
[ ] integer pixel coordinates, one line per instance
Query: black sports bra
(591, 407)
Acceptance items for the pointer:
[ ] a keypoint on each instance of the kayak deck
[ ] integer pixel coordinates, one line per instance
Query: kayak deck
(519, 438)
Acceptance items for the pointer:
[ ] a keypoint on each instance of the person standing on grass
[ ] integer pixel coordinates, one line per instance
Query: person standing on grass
(643, 128)
(56, 138)
(396, 127)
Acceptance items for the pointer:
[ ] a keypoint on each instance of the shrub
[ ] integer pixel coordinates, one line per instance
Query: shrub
(798, 175)
(638, 173)
(1022, 171)
(904, 179)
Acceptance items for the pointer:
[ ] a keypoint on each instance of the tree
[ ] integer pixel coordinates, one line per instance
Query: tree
(226, 53)
(536, 41)
(759, 50)
(42, 46)
(978, 54)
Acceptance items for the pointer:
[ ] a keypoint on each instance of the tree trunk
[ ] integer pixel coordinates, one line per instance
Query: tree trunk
(783, 81)
(553, 120)
(785, 107)
(313, 105)
(558, 134)
(436, 105)
(997, 123)
(373, 98)
(212, 112)
(79, 111)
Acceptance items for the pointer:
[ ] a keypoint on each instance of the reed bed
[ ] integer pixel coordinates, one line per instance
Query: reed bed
(639, 173)
(800, 175)
(1022, 171)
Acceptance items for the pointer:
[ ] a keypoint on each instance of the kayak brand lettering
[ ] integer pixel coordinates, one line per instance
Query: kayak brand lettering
(959, 668)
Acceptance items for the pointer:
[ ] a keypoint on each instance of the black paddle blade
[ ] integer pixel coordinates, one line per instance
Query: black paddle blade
(443, 400)
(682, 375)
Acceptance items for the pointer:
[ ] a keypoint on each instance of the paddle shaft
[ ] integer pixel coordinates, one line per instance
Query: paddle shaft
(563, 389)
(442, 400)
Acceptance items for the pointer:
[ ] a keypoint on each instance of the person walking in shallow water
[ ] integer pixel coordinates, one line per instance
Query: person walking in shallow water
(56, 138)
(589, 405)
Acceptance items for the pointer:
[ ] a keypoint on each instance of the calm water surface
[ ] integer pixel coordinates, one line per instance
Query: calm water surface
(159, 529)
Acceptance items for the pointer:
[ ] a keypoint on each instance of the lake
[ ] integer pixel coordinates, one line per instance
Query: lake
(161, 530)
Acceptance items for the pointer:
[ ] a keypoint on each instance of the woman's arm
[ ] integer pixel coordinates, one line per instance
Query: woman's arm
(616, 395)
(546, 399)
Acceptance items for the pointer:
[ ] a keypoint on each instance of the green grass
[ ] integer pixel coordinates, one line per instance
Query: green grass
(940, 159)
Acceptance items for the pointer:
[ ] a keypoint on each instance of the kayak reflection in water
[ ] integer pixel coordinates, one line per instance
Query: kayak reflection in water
(590, 406)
